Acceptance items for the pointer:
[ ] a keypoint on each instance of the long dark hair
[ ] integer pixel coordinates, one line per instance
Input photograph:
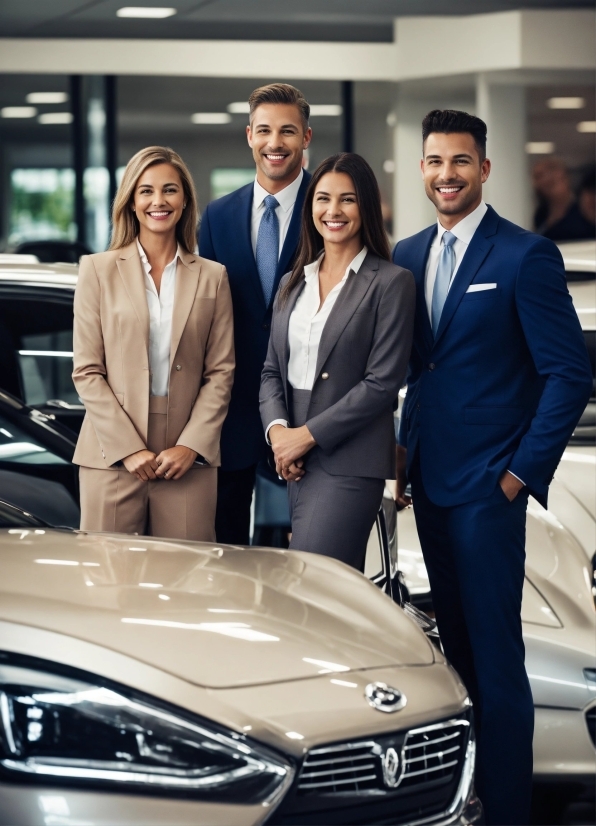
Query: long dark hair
(368, 196)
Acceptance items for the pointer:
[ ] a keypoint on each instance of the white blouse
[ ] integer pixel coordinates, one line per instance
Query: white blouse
(161, 307)
(306, 325)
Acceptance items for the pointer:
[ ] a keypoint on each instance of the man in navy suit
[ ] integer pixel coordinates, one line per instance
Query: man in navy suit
(498, 378)
(254, 232)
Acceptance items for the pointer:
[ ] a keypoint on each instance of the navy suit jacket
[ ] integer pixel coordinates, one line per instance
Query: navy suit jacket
(507, 377)
(225, 237)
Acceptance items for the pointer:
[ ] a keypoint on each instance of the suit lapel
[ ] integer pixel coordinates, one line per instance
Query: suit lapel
(419, 272)
(293, 234)
(281, 326)
(187, 281)
(478, 249)
(131, 271)
(347, 303)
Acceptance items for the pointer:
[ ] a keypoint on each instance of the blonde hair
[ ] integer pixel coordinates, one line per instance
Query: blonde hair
(125, 224)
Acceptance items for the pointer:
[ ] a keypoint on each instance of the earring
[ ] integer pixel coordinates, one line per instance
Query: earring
(184, 206)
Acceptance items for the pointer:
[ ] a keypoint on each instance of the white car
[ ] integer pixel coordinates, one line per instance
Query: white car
(147, 682)
(558, 609)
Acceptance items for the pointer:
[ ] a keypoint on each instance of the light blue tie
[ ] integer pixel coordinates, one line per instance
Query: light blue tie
(267, 253)
(443, 279)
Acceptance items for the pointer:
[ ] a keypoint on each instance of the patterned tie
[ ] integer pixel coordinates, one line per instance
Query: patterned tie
(443, 279)
(268, 247)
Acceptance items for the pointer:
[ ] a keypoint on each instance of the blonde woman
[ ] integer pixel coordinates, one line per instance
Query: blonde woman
(153, 361)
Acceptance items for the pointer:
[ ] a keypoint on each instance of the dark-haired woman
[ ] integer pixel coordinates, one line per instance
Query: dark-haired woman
(340, 341)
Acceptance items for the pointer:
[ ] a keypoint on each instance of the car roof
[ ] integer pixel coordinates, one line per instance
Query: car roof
(579, 256)
(25, 269)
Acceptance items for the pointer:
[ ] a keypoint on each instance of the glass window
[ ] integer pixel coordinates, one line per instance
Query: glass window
(18, 448)
(41, 205)
(224, 181)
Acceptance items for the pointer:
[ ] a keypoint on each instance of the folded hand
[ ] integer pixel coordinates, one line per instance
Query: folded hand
(290, 444)
(174, 462)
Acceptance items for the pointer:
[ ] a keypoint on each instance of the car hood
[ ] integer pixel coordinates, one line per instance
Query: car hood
(215, 616)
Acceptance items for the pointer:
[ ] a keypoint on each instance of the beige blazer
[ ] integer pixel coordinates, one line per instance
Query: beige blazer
(111, 356)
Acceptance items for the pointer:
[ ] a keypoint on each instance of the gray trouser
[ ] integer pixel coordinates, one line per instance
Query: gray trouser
(331, 515)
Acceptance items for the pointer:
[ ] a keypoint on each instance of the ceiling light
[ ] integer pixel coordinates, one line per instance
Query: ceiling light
(241, 107)
(47, 97)
(147, 12)
(211, 117)
(18, 112)
(540, 147)
(566, 103)
(586, 126)
(55, 117)
(326, 110)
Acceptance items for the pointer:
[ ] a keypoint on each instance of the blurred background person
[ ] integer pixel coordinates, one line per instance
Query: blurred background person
(558, 215)
(153, 361)
(586, 199)
(341, 338)
(254, 233)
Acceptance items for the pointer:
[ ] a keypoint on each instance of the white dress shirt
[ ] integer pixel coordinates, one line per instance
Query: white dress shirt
(161, 307)
(286, 200)
(307, 321)
(464, 232)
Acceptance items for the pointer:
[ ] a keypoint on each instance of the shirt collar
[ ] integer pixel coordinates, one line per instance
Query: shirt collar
(145, 260)
(464, 230)
(312, 270)
(286, 198)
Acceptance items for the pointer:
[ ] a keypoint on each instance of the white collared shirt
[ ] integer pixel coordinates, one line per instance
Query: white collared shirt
(161, 307)
(464, 232)
(286, 200)
(306, 325)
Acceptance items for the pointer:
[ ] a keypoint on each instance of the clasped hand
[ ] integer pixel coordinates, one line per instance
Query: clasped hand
(289, 445)
(169, 464)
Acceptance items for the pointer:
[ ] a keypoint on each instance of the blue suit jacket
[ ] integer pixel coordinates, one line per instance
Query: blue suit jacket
(507, 377)
(225, 237)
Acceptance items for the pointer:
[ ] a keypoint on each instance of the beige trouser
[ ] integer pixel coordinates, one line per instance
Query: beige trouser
(115, 500)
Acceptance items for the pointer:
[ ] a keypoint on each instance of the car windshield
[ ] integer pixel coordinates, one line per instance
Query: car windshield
(18, 448)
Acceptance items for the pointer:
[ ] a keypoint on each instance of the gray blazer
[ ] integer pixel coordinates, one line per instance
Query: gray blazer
(361, 365)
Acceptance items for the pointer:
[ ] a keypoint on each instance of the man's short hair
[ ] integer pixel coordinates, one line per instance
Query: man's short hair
(449, 121)
(280, 93)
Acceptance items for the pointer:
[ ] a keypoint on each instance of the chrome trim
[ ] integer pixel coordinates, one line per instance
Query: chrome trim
(345, 747)
(338, 782)
(371, 690)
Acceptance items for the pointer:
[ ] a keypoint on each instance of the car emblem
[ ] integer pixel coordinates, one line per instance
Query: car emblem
(391, 766)
(384, 698)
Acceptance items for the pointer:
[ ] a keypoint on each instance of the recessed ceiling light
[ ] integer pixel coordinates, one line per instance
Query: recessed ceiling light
(326, 110)
(211, 117)
(47, 97)
(55, 117)
(540, 147)
(566, 103)
(18, 112)
(241, 107)
(148, 12)
(586, 126)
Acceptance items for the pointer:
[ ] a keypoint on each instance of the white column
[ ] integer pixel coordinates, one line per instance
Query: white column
(503, 108)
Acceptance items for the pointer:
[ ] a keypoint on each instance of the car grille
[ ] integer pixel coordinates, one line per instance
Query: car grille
(354, 783)
(350, 767)
(427, 754)
(591, 721)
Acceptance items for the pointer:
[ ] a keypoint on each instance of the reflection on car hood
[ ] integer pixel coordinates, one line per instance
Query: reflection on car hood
(214, 616)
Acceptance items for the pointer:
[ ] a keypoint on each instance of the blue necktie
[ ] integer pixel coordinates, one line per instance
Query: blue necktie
(267, 252)
(443, 279)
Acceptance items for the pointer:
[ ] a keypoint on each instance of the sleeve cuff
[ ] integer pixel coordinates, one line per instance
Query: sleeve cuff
(517, 477)
(282, 422)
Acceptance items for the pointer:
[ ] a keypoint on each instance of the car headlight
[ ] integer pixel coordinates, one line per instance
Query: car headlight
(61, 727)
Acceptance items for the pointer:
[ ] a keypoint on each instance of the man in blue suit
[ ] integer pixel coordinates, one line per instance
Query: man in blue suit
(498, 378)
(254, 233)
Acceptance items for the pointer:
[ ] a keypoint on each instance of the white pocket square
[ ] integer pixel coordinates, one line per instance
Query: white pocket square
(475, 288)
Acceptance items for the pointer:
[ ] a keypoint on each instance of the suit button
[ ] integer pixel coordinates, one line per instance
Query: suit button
(324, 376)
(178, 367)
(265, 326)
(431, 366)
